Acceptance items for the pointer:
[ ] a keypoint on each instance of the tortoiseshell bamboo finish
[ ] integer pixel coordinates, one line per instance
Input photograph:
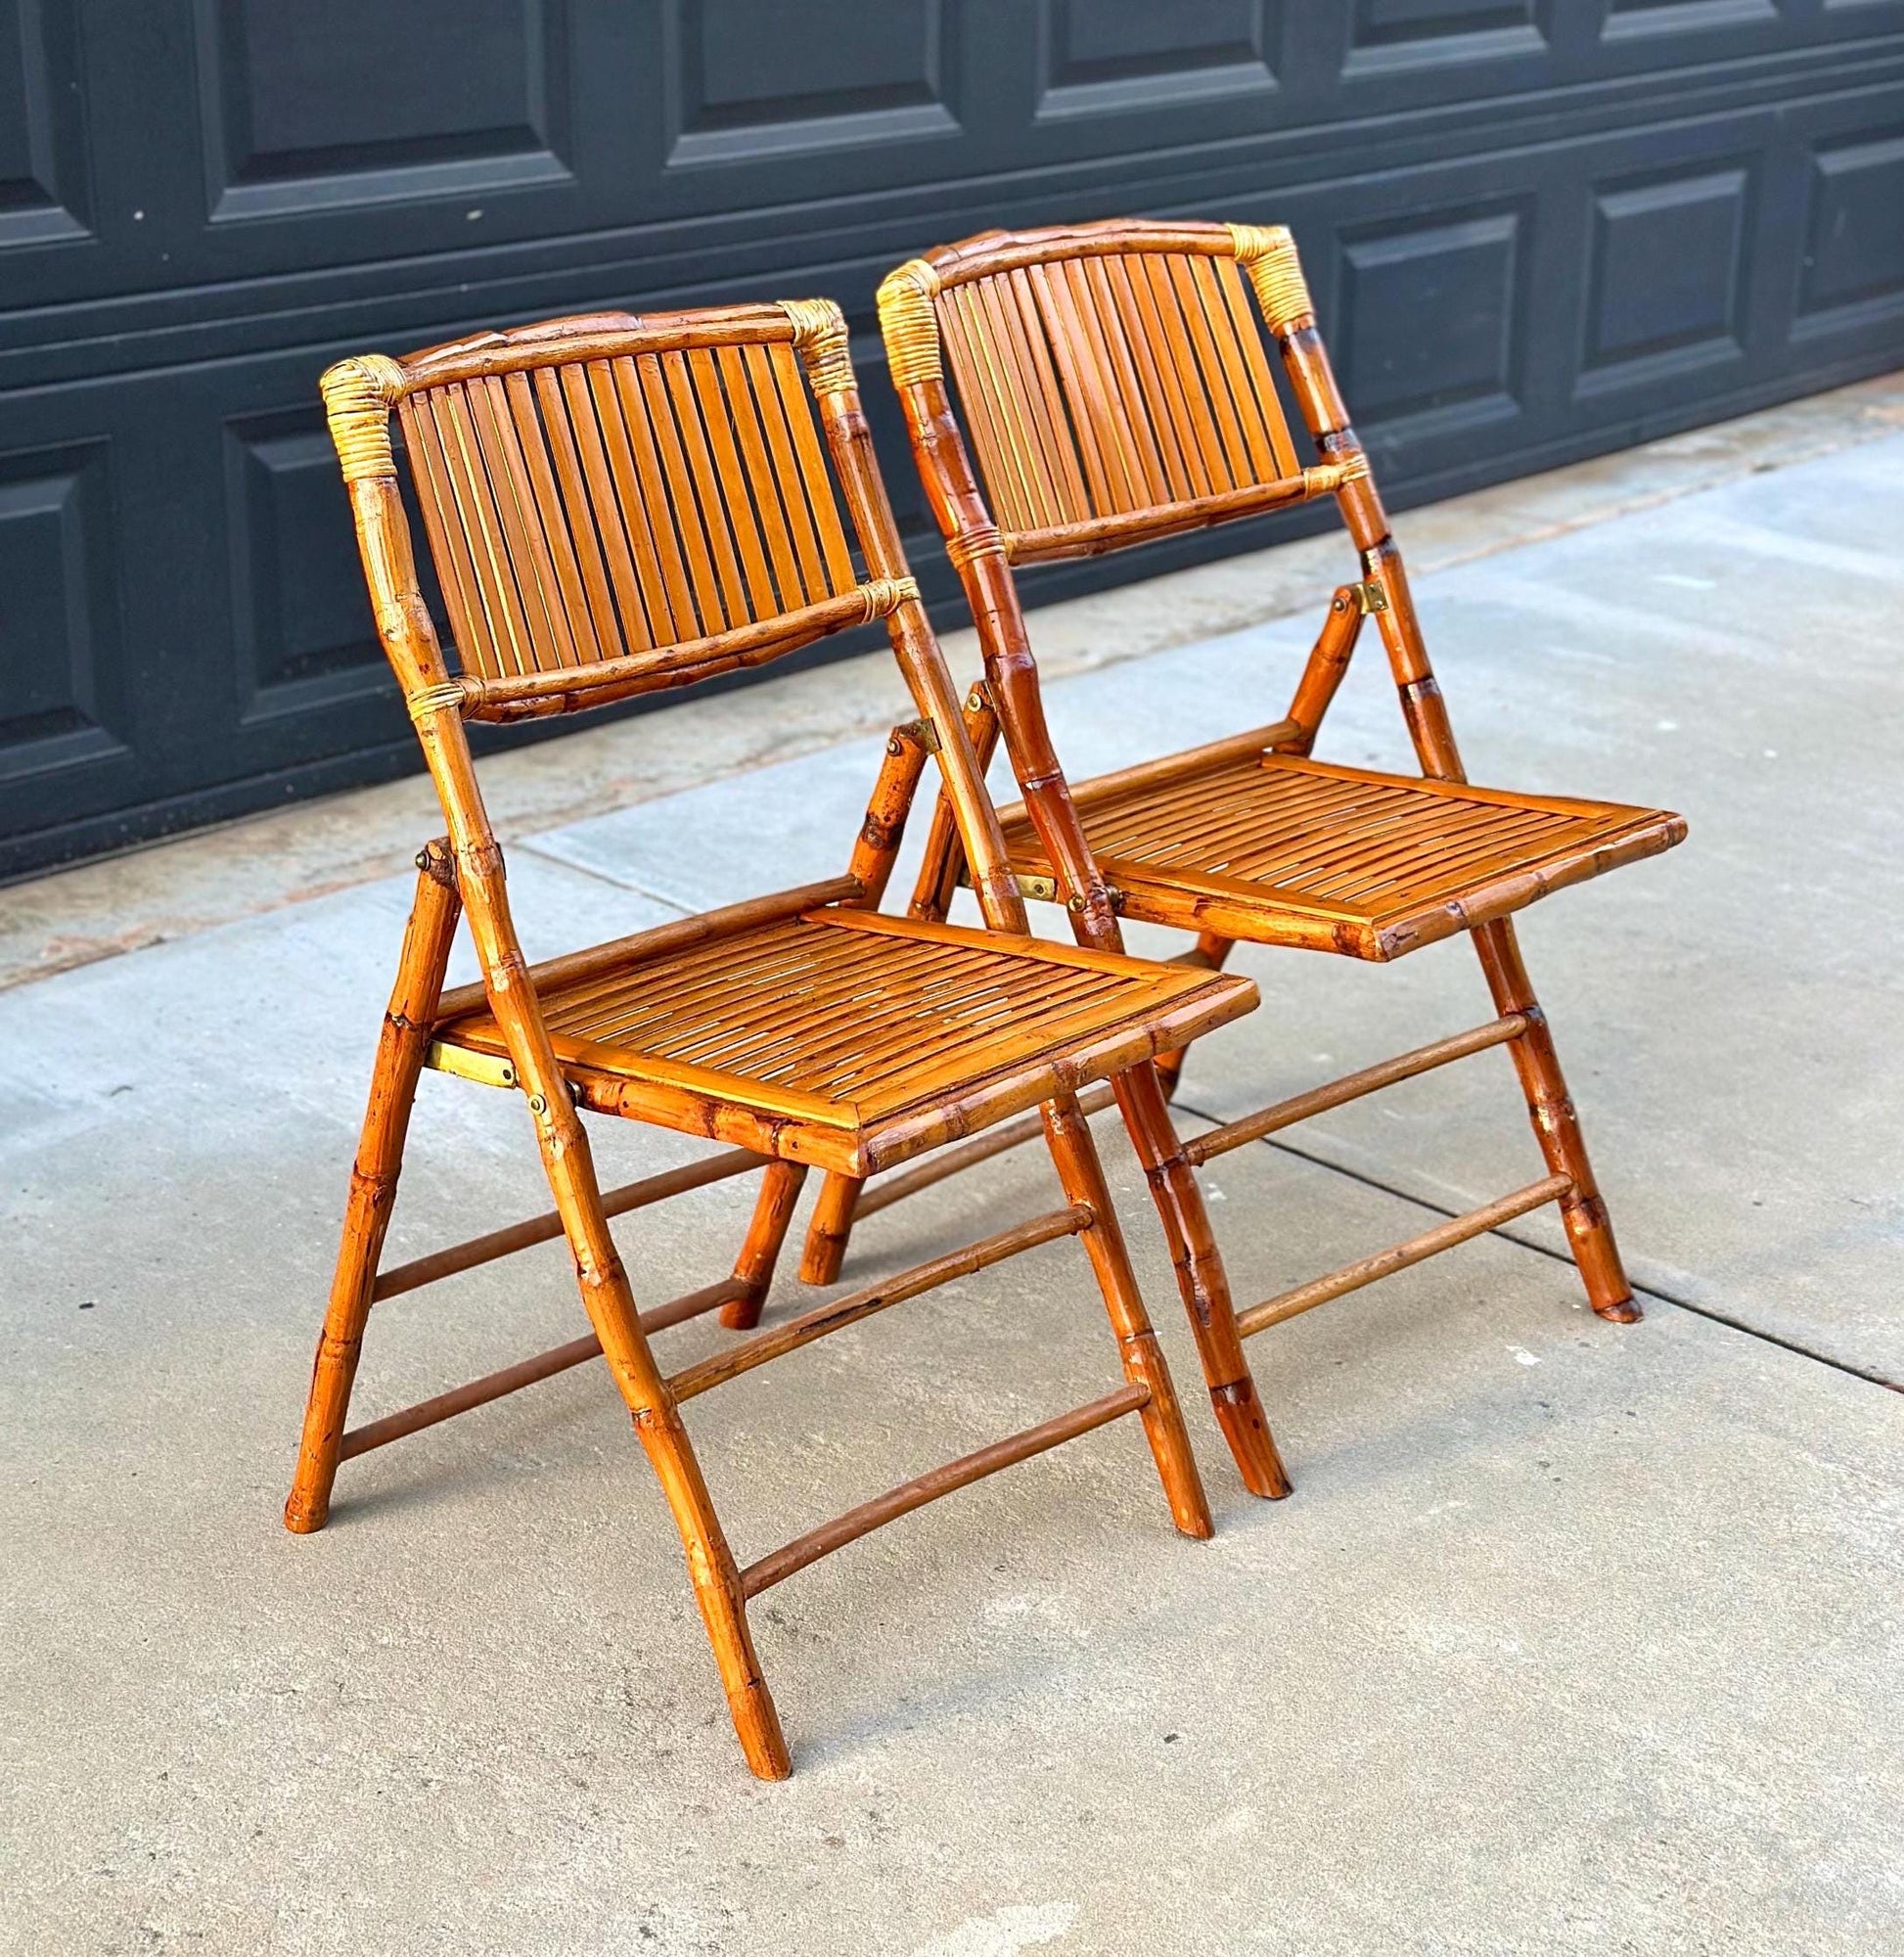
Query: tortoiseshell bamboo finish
(1115, 388)
(616, 504)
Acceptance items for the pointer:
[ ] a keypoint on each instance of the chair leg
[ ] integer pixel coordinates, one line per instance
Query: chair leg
(1208, 953)
(1588, 1230)
(712, 1569)
(400, 1049)
(1081, 1174)
(1203, 1282)
(773, 1211)
(831, 1227)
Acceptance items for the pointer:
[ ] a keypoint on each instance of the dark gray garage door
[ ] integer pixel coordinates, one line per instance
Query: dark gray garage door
(1535, 228)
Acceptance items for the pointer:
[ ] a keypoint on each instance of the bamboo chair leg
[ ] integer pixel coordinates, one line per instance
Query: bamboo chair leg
(1589, 1229)
(711, 1567)
(1208, 953)
(773, 1211)
(400, 1049)
(1081, 1175)
(831, 1227)
(1203, 1282)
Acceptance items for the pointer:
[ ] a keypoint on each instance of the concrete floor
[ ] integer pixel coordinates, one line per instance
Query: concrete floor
(1572, 1638)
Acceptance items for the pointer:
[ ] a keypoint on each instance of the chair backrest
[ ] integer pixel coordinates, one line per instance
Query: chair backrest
(1116, 388)
(618, 504)
(1113, 378)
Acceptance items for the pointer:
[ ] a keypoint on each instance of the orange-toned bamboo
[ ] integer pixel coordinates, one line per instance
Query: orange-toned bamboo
(605, 499)
(791, 1557)
(400, 1050)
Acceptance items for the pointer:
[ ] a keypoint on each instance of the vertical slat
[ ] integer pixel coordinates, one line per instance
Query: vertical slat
(1106, 323)
(584, 527)
(449, 544)
(1007, 470)
(1223, 336)
(488, 553)
(786, 473)
(648, 490)
(576, 596)
(1097, 441)
(797, 405)
(1155, 377)
(718, 417)
(634, 561)
(515, 516)
(1244, 318)
(1046, 447)
(1022, 306)
(1210, 363)
(758, 472)
(1208, 468)
(704, 482)
(674, 487)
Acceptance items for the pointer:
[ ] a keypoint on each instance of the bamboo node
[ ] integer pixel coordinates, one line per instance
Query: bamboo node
(358, 394)
(909, 323)
(969, 546)
(820, 338)
(1267, 254)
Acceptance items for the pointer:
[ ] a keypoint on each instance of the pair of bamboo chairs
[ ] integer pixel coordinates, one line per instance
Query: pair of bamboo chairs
(618, 505)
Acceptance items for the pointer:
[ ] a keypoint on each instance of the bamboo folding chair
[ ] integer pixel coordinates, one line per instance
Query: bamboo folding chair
(618, 505)
(1115, 386)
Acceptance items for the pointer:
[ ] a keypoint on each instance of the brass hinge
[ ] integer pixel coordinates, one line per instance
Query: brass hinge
(1040, 889)
(921, 731)
(492, 1070)
(1370, 596)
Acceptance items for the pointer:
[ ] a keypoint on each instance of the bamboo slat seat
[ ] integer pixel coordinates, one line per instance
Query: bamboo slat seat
(850, 1040)
(1281, 850)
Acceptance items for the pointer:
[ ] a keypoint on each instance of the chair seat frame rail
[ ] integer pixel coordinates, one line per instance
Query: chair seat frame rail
(614, 504)
(1115, 383)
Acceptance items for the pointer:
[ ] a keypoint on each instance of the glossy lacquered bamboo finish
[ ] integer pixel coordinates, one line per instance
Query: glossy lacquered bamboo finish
(1114, 387)
(613, 501)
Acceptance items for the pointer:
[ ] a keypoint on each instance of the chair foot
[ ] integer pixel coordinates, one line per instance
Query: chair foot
(1239, 1414)
(305, 1518)
(1620, 1311)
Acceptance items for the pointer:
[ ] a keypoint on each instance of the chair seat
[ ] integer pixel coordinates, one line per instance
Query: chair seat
(844, 1038)
(1271, 849)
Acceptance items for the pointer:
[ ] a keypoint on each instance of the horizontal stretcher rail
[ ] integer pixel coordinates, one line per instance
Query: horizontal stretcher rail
(527, 1372)
(1011, 1134)
(1199, 1149)
(1398, 1256)
(545, 1228)
(795, 1556)
(719, 1367)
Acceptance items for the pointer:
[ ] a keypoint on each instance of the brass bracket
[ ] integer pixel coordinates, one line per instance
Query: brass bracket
(923, 731)
(1039, 889)
(1370, 596)
(491, 1070)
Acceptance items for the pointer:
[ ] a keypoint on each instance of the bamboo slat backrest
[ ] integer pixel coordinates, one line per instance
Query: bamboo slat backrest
(617, 504)
(1113, 378)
